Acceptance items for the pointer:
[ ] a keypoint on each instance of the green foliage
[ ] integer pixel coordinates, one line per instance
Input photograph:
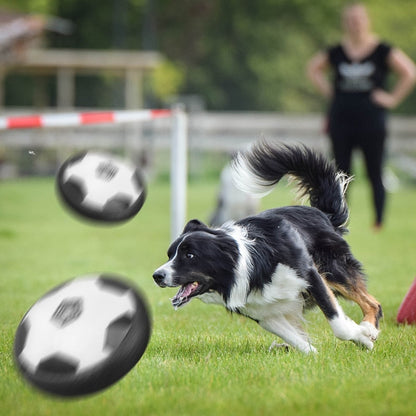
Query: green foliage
(235, 54)
(167, 80)
(250, 55)
(28, 6)
(397, 25)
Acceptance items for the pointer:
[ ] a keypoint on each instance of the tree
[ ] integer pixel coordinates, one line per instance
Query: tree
(235, 54)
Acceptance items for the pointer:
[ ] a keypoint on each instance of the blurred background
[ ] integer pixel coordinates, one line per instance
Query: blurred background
(238, 66)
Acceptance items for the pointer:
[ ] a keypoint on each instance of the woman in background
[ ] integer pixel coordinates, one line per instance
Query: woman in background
(358, 100)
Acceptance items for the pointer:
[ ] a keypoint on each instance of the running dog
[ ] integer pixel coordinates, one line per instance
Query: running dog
(273, 266)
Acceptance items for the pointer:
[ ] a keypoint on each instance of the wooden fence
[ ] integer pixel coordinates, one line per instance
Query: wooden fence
(207, 130)
(226, 131)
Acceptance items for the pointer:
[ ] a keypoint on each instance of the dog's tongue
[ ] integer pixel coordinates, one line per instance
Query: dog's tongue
(183, 294)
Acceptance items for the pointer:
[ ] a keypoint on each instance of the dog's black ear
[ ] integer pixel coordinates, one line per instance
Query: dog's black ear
(194, 225)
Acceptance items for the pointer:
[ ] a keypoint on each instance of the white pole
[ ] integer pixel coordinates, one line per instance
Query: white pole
(178, 171)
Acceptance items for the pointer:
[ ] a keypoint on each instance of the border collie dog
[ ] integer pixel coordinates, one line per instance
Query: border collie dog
(273, 266)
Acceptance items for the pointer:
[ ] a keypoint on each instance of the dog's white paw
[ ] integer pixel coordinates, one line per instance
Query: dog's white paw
(366, 335)
(371, 331)
(346, 329)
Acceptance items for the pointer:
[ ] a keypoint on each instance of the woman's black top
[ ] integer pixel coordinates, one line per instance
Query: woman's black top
(353, 82)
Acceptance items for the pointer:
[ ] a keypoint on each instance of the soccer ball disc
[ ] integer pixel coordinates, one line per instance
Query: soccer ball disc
(101, 186)
(83, 335)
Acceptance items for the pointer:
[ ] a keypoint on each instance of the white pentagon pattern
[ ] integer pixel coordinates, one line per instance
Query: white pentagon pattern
(84, 337)
(101, 189)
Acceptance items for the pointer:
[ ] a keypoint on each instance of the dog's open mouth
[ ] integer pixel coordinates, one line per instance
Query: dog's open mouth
(185, 294)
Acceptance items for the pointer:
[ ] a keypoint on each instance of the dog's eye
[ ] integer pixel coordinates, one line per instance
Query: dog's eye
(189, 255)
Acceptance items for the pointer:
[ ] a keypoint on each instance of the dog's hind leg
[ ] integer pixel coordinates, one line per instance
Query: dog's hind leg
(370, 307)
(343, 327)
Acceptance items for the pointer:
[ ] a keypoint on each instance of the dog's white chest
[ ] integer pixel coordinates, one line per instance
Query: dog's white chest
(282, 296)
(285, 285)
(212, 297)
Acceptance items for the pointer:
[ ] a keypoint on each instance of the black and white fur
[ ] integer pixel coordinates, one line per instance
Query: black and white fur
(272, 266)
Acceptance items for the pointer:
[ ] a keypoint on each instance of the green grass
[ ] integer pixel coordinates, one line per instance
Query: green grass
(202, 360)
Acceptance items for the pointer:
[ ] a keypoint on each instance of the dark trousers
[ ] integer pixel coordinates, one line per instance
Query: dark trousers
(372, 144)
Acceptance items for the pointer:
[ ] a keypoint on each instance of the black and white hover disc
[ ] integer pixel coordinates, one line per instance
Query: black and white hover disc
(101, 186)
(83, 336)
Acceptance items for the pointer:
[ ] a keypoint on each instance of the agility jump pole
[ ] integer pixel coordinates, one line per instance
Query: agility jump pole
(179, 139)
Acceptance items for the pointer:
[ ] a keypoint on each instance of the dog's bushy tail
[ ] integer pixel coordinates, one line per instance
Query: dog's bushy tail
(261, 167)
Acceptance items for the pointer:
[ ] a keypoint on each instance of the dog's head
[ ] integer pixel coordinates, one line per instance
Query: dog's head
(201, 259)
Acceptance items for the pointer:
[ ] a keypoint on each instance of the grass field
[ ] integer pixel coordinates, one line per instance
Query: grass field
(202, 360)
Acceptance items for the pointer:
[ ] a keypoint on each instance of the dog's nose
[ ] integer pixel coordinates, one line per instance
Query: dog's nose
(159, 277)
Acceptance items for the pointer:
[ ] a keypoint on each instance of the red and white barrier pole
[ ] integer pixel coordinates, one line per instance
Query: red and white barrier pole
(178, 143)
(80, 119)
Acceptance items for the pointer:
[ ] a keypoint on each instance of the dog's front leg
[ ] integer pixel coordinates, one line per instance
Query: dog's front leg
(293, 335)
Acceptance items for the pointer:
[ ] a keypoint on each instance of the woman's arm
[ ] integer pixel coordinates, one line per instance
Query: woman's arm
(316, 72)
(405, 69)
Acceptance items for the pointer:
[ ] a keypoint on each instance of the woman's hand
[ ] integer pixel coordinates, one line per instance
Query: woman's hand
(316, 71)
(384, 99)
(405, 70)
